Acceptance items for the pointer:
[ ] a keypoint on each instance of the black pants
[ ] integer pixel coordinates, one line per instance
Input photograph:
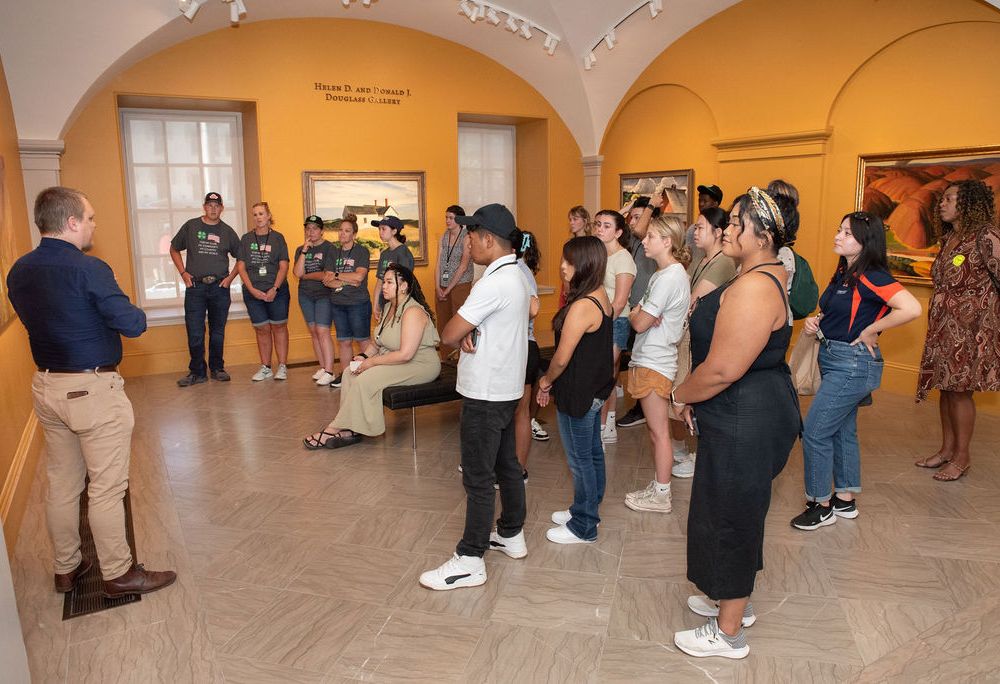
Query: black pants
(201, 299)
(487, 430)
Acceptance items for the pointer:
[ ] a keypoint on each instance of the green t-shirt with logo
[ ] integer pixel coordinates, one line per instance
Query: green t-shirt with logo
(208, 247)
(262, 254)
(315, 262)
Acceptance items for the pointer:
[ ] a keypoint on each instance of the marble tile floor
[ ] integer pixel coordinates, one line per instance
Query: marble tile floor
(299, 566)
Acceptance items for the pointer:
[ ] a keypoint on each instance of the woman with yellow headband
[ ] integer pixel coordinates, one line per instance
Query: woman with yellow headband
(740, 395)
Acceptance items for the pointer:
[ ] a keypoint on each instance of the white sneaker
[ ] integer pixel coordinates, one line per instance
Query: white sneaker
(609, 434)
(680, 449)
(457, 571)
(538, 433)
(318, 374)
(512, 546)
(707, 640)
(649, 499)
(282, 373)
(325, 379)
(704, 606)
(263, 374)
(561, 517)
(564, 535)
(683, 468)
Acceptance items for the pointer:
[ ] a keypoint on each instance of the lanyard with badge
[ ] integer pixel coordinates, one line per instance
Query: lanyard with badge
(261, 245)
(341, 261)
(446, 271)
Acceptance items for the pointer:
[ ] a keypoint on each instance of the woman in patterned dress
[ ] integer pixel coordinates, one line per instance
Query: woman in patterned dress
(961, 353)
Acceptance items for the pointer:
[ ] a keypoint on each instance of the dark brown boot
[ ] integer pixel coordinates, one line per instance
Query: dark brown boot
(64, 583)
(138, 580)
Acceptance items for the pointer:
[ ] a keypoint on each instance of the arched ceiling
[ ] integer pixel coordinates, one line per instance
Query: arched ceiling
(57, 53)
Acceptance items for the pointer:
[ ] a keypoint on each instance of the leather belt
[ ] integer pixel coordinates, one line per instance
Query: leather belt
(209, 279)
(99, 369)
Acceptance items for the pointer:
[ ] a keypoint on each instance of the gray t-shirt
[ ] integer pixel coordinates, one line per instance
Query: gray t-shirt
(262, 254)
(401, 255)
(208, 247)
(644, 269)
(316, 260)
(349, 261)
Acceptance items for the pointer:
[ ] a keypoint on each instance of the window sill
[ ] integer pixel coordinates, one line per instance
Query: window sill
(174, 315)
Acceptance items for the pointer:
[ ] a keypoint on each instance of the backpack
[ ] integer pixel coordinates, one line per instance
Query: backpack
(804, 294)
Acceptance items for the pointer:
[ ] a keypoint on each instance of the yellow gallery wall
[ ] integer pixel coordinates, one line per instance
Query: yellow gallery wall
(799, 90)
(18, 427)
(275, 64)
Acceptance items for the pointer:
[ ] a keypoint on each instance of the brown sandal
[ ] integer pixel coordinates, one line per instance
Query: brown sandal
(945, 476)
(924, 463)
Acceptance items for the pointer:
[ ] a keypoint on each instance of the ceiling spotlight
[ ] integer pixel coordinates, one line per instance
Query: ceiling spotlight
(236, 10)
(511, 23)
(589, 61)
(550, 44)
(345, 3)
(610, 39)
(655, 7)
(366, 3)
(525, 30)
(466, 8)
(492, 16)
(189, 8)
(480, 11)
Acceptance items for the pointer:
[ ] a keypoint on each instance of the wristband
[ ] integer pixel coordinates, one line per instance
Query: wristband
(673, 401)
(363, 355)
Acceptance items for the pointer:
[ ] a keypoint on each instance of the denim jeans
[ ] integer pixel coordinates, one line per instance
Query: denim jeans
(830, 439)
(214, 300)
(487, 435)
(581, 438)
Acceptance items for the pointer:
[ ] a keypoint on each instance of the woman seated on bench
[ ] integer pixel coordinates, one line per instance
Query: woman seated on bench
(403, 354)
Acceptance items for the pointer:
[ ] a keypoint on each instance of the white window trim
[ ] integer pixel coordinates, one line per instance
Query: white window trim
(511, 131)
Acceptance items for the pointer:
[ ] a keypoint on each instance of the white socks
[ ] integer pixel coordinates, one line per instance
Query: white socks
(662, 488)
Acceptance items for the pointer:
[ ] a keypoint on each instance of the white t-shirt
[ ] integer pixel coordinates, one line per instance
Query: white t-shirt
(529, 277)
(498, 307)
(618, 263)
(668, 295)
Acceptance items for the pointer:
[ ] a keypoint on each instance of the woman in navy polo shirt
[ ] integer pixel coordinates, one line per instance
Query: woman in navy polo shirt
(861, 301)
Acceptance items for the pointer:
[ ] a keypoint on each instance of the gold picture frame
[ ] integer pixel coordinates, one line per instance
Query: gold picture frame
(903, 188)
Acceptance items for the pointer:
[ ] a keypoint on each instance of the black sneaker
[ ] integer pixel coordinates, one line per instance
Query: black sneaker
(815, 515)
(337, 381)
(633, 417)
(844, 509)
(524, 474)
(221, 375)
(191, 379)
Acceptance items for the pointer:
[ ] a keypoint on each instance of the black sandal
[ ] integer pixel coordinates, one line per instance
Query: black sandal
(313, 444)
(340, 441)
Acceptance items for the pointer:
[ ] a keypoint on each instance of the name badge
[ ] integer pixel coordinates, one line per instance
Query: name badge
(262, 271)
(445, 277)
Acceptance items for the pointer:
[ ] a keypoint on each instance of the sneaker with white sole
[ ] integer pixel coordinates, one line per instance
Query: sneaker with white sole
(609, 434)
(704, 606)
(337, 381)
(318, 374)
(815, 516)
(263, 374)
(325, 379)
(561, 517)
(844, 509)
(538, 433)
(456, 572)
(708, 640)
(564, 535)
(512, 546)
(282, 372)
(633, 417)
(650, 500)
(683, 469)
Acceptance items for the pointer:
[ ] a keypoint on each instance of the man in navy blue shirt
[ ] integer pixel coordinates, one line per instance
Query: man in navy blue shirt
(75, 315)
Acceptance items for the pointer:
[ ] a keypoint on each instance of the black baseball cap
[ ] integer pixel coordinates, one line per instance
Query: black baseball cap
(390, 221)
(713, 191)
(495, 218)
(213, 197)
(313, 219)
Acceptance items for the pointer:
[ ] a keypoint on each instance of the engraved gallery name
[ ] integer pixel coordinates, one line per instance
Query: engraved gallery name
(374, 94)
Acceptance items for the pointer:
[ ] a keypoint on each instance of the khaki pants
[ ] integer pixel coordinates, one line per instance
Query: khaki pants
(88, 422)
(444, 311)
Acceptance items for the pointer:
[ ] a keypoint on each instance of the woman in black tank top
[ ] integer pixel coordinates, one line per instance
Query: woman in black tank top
(748, 414)
(580, 378)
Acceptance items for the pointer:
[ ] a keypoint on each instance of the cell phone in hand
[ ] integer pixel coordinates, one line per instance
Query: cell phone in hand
(475, 337)
(693, 427)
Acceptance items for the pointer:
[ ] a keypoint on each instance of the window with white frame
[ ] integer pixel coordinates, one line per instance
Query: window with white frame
(172, 160)
(486, 165)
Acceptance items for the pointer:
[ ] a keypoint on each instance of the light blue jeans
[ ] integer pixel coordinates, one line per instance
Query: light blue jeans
(830, 439)
(581, 438)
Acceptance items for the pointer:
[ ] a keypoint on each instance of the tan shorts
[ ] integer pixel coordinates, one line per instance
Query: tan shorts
(642, 381)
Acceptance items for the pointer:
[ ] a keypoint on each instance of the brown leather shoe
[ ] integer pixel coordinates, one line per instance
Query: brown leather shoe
(138, 580)
(64, 583)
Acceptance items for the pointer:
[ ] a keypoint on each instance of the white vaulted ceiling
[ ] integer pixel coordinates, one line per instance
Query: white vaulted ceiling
(56, 53)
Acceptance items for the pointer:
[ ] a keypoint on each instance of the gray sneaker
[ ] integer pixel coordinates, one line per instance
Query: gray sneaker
(649, 500)
(263, 374)
(191, 379)
(683, 469)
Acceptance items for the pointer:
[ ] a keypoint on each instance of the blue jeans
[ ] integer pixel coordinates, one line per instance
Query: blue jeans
(199, 300)
(316, 311)
(581, 438)
(830, 439)
(353, 321)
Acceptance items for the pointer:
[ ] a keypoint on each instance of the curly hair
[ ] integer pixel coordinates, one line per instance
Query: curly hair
(414, 293)
(975, 208)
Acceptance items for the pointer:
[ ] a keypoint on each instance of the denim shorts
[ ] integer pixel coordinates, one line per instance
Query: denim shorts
(318, 312)
(262, 313)
(353, 321)
(619, 332)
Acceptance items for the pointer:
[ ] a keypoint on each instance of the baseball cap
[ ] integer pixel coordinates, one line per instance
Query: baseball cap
(495, 218)
(390, 221)
(713, 191)
(213, 197)
(313, 219)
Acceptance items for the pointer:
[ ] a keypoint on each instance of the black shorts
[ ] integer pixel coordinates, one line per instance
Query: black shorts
(534, 363)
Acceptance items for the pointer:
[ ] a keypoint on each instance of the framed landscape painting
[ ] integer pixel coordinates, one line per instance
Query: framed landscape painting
(371, 196)
(669, 190)
(903, 189)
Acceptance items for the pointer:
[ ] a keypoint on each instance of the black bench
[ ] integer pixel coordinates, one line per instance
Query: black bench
(411, 396)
